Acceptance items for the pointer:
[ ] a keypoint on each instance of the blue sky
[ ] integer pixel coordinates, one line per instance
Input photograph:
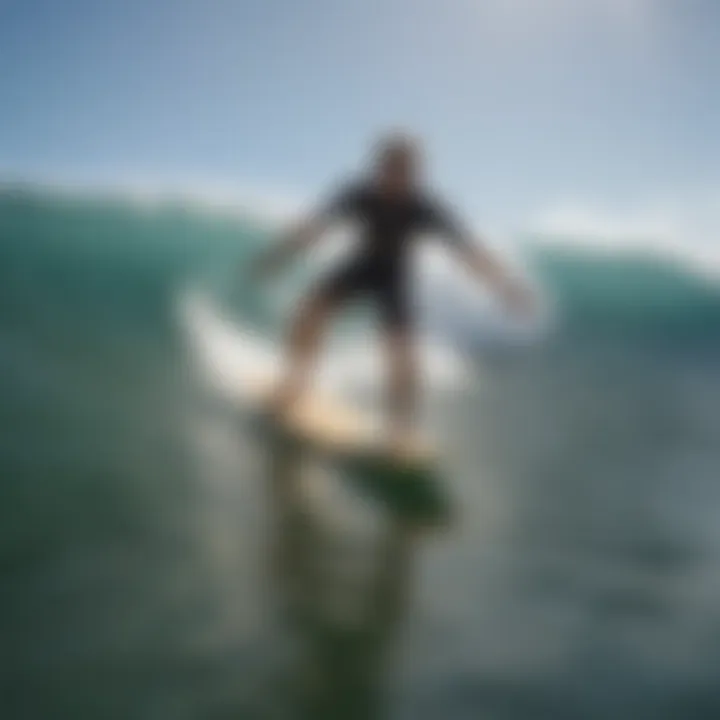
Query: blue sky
(525, 104)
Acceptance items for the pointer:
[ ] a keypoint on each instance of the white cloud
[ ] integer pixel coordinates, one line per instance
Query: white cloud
(682, 229)
(593, 223)
(266, 203)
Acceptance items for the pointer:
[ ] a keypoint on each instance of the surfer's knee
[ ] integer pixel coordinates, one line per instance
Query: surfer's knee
(403, 358)
(310, 319)
(317, 307)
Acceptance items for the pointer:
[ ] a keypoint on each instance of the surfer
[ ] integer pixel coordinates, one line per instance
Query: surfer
(392, 207)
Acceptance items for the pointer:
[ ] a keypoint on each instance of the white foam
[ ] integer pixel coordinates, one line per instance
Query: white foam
(225, 351)
(683, 233)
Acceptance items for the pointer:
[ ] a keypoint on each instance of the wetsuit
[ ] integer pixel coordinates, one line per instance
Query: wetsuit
(379, 269)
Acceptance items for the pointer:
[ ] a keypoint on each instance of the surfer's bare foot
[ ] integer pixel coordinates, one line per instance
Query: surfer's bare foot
(403, 443)
(282, 399)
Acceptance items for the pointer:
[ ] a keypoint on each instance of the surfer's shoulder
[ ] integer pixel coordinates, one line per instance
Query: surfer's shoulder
(359, 188)
(347, 198)
(429, 197)
(353, 191)
(428, 203)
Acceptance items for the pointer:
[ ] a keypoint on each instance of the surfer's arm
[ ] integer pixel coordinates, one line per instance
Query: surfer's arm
(480, 260)
(293, 241)
(309, 230)
(486, 266)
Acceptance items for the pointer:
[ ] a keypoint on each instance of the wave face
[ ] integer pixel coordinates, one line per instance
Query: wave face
(60, 250)
(635, 296)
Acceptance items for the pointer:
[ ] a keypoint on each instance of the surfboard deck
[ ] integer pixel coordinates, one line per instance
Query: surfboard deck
(406, 479)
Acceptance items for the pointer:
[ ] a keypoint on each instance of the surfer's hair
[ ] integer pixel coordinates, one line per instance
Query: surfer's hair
(395, 144)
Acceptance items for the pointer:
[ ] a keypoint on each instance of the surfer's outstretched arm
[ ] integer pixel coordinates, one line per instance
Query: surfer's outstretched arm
(307, 232)
(293, 241)
(488, 269)
(482, 262)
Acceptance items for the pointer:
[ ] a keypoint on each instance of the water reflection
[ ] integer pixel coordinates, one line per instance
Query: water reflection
(341, 601)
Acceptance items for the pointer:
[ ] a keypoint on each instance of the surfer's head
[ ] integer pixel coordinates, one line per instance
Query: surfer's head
(397, 162)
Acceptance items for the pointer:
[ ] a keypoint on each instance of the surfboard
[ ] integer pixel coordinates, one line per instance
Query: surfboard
(407, 480)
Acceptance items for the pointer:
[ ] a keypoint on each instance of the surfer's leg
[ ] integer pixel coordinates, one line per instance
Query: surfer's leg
(403, 375)
(307, 329)
(402, 388)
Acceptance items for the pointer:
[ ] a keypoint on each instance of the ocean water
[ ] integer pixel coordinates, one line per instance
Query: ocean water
(157, 561)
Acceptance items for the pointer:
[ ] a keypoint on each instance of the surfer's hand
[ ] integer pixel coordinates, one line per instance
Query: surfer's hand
(518, 299)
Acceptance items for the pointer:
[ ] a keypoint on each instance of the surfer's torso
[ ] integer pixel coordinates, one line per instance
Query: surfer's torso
(390, 224)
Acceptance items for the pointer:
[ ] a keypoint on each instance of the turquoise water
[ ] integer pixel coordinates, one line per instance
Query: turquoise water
(151, 569)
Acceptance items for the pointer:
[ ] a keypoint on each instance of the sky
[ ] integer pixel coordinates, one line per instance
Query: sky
(546, 109)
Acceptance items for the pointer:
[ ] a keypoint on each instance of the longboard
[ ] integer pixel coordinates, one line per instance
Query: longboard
(406, 480)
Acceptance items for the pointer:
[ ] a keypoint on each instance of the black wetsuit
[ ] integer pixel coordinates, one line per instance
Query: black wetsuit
(379, 269)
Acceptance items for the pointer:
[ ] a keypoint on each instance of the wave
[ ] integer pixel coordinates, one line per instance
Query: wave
(110, 244)
(226, 350)
(635, 292)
